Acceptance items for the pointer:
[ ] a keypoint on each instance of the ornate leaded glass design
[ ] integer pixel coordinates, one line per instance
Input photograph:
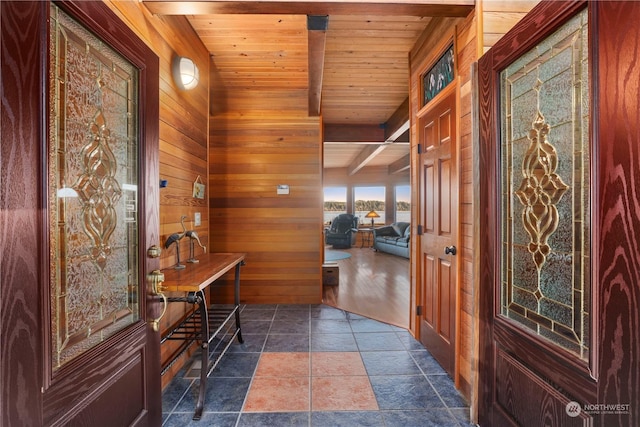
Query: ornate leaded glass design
(438, 77)
(545, 188)
(92, 190)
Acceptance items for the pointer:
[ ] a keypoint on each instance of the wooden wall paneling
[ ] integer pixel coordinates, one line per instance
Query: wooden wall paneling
(183, 137)
(467, 54)
(498, 17)
(248, 158)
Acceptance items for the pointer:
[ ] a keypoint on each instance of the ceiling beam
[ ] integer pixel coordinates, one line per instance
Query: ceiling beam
(453, 8)
(317, 34)
(398, 123)
(353, 134)
(364, 157)
(400, 165)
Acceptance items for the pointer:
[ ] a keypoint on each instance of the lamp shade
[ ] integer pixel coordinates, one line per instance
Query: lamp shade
(372, 214)
(185, 73)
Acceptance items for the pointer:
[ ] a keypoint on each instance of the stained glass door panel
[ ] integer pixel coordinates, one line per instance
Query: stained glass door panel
(545, 188)
(93, 172)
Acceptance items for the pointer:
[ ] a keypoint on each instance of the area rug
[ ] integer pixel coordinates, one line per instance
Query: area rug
(330, 255)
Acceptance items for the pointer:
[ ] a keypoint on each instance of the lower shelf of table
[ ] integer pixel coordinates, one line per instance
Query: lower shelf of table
(222, 325)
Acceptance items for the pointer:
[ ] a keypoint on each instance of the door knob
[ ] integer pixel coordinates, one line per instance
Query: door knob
(155, 279)
(450, 250)
(154, 251)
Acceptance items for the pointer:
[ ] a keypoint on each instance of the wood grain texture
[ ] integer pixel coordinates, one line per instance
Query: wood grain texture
(20, 221)
(612, 375)
(544, 404)
(498, 17)
(618, 207)
(281, 234)
(372, 284)
(437, 36)
(331, 7)
(486, 194)
(182, 139)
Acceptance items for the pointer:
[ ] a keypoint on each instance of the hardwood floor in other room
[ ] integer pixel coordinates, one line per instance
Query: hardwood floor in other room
(372, 284)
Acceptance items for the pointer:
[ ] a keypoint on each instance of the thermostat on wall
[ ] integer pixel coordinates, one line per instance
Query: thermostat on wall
(283, 189)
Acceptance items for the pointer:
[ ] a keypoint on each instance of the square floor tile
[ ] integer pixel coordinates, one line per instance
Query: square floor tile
(292, 315)
(427, 363)
(344, 393)
(236, 365)
(272, 419)
(209, 419)
(389, 363)
(294, 307)
(173, 393)
(255, 327)
(330, 326)
(436, 417)
(375, 341)
(370, 325)
(326, 312)
(405, 392)
(333, 342)
(269, 394)
(287, 343)
(253, 315)
(289, 327)
(325, 364)
(221, 395)
(347, 419)
(447, 391)
(409, 341)
(283, 365)
(251, 344)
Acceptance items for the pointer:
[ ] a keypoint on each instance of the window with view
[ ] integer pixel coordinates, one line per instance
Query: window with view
(369, 199)
(335, 202)
(403, 203)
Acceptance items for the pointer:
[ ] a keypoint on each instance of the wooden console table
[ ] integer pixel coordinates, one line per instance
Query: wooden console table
(206, 321)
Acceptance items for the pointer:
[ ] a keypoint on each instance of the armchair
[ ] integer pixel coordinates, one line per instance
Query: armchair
(342, 233)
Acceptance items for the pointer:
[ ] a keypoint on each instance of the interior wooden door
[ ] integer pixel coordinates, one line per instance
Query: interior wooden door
(559, 292)
(439, 219)
(80, 147)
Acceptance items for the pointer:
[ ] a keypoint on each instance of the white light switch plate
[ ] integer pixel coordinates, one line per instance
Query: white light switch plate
(197, 219)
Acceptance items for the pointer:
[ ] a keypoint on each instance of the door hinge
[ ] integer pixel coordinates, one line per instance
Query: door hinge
(419, 148)
(419, 232)
(419, 310)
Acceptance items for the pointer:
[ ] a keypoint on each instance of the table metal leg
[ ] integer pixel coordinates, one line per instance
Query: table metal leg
(204, 369)
(237, 300)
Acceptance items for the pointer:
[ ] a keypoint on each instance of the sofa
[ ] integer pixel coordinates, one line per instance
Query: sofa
(393, 239)
(342, 232)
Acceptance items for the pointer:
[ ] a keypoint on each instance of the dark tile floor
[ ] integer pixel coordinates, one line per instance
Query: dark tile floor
(316, 365)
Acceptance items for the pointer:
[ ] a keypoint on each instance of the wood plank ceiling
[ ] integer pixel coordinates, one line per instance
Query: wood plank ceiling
(357, 70)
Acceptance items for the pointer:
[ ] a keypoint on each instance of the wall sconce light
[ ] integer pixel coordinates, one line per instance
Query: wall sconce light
(185, 73)
(372, 215)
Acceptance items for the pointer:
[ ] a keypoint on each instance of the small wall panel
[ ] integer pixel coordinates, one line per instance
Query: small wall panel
(531, 400)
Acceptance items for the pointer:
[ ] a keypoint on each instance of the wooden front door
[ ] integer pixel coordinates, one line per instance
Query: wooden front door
(79, 210)
(439, 219)
(559, 151)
